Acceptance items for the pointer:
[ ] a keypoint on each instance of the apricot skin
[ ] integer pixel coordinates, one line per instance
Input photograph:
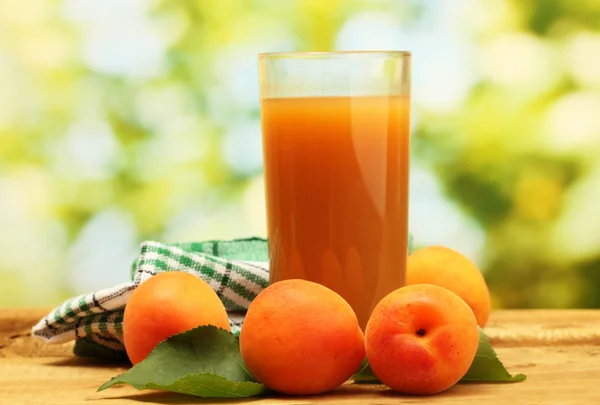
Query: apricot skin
(450, 269)
(301, 338)
(421, 339)
(166, 304)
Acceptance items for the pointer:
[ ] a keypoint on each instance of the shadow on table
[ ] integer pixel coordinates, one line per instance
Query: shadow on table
(74, 361)
(346, 394)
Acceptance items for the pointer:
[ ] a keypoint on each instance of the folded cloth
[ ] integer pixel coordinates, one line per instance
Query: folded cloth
(237, 270)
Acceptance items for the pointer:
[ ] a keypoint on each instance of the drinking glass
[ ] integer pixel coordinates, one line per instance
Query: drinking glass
(336, 158)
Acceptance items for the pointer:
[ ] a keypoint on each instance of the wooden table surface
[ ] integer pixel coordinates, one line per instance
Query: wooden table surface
(558, 350)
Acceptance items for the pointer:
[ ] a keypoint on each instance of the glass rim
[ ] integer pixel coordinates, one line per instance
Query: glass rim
(318, 54)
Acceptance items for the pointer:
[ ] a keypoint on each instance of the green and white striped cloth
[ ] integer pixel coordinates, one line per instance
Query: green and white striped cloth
(237, 270)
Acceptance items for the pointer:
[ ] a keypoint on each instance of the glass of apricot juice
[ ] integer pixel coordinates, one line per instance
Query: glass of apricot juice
(336, 158)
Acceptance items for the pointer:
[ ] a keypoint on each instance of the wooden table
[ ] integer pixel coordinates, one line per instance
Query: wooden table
(558, 350)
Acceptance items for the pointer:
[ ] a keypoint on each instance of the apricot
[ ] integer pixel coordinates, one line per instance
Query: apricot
(301, 338)
(421, 339)
(450, 269)
(166, 304)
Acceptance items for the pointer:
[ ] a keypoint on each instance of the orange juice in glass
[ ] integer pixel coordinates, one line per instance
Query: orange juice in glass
(336, 155)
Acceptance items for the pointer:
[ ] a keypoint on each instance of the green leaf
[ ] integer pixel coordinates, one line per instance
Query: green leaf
(486, 367)
(365, 374)
(205, 361)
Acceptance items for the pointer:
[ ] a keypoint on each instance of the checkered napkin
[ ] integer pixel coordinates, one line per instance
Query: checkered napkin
(237, 270)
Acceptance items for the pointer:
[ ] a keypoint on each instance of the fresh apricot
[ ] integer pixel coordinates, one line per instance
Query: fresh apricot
(450, 269)
(166, 304)
(421, 339)
(301, 338)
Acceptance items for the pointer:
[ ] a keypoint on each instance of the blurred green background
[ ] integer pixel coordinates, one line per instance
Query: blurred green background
(122, 121)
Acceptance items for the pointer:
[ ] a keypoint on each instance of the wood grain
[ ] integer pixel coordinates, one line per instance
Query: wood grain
(558, 350)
